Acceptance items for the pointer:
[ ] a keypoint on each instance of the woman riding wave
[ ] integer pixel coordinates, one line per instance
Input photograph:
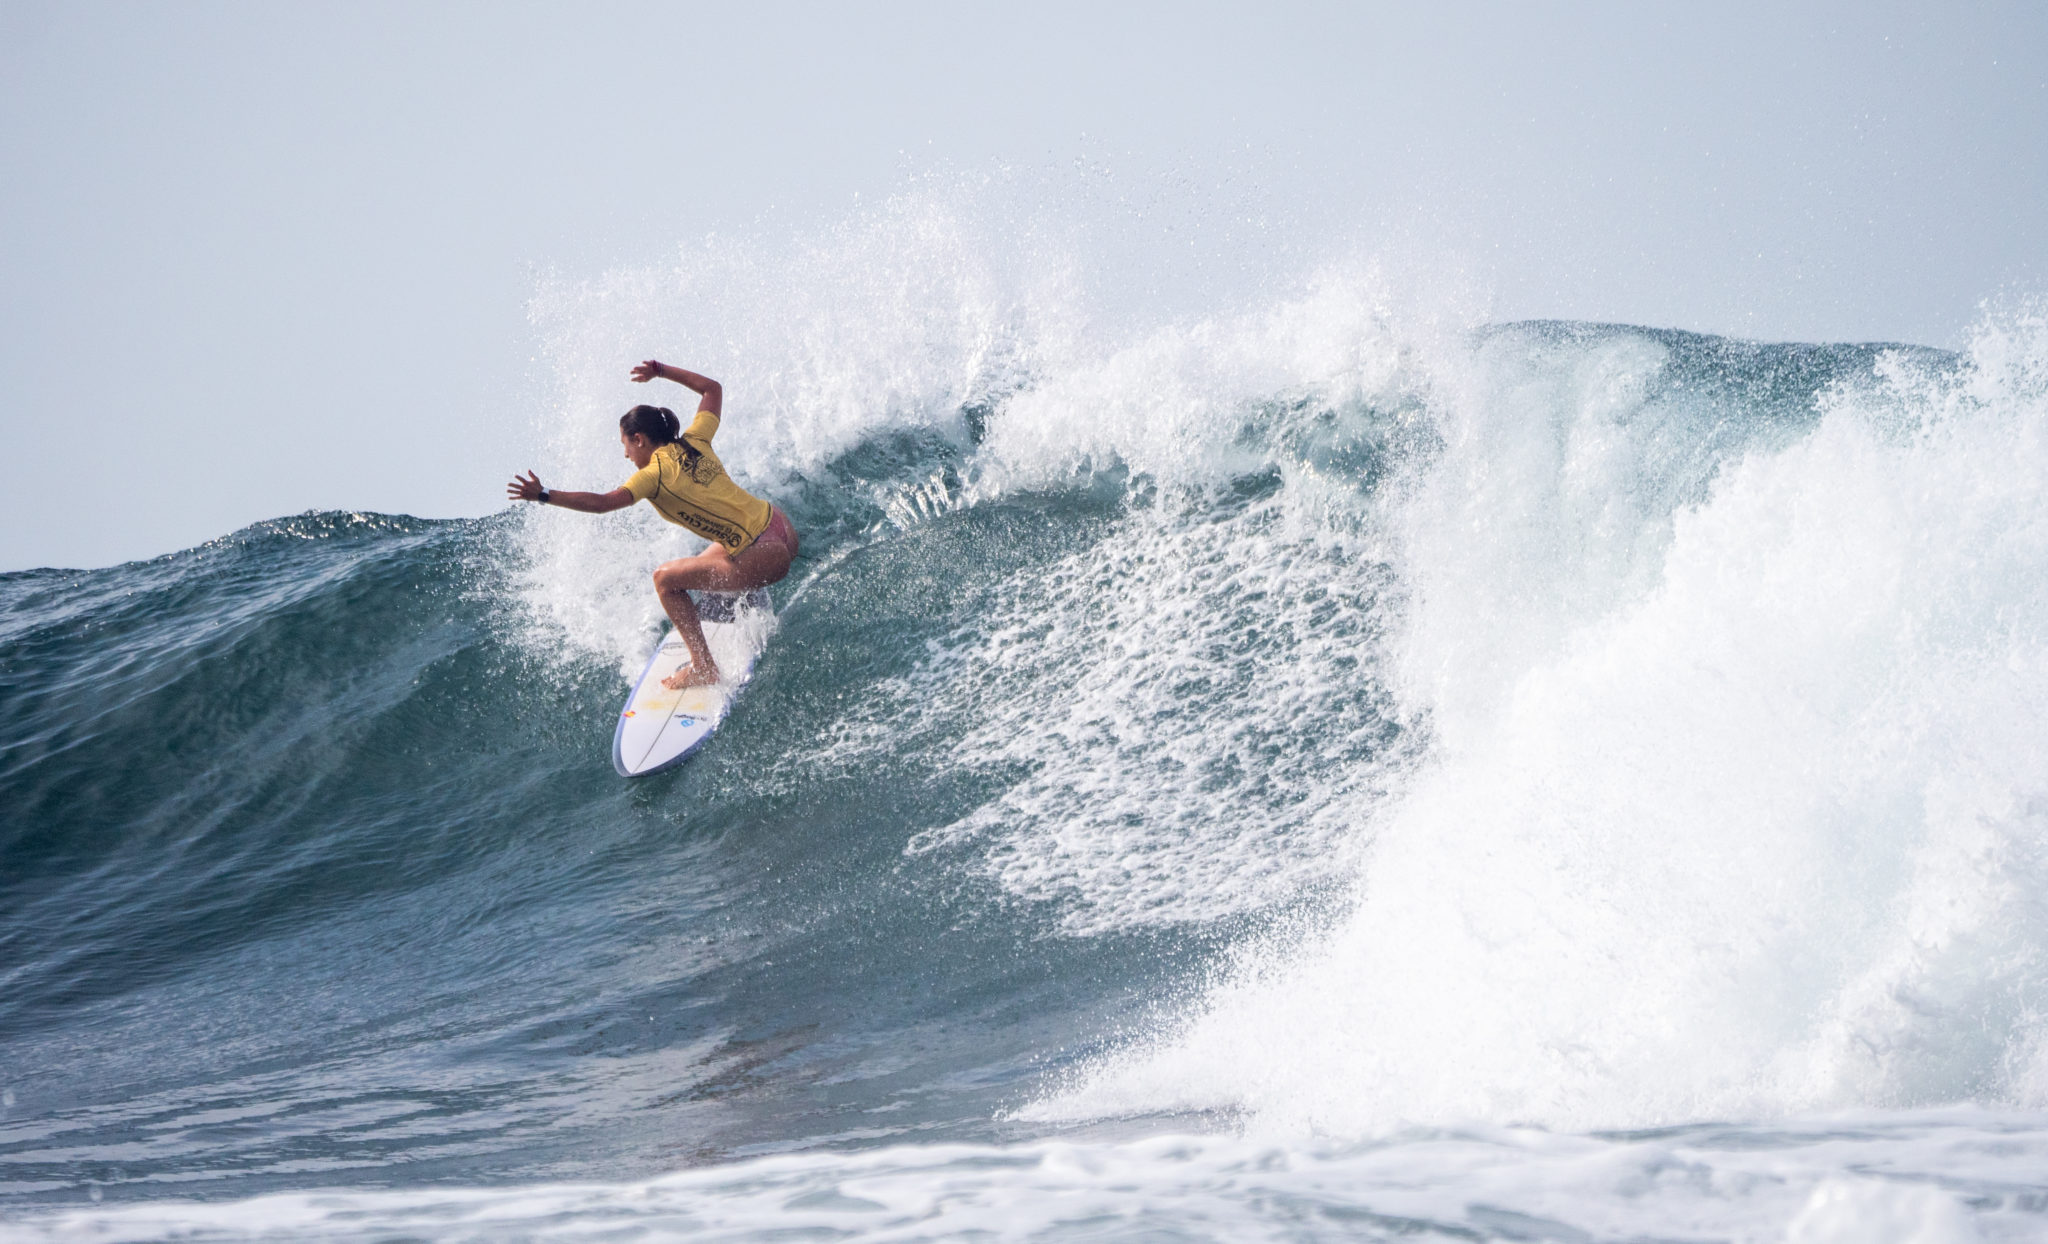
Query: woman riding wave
(752, 542)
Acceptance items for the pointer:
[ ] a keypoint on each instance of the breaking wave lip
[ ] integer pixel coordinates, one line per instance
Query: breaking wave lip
(1731, 806)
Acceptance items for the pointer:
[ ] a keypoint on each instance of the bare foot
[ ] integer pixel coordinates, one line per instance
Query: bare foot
(690, 676)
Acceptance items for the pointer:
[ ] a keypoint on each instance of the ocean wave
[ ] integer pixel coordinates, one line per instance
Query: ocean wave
(1320, 716)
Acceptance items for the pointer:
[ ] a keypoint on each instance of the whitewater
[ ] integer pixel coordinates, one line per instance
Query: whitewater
(1315, 763)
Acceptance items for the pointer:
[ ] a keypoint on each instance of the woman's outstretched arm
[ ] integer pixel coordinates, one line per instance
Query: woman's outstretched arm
(710, 395)
(529, 489)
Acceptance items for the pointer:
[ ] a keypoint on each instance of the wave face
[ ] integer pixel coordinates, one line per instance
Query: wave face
(1317, 722)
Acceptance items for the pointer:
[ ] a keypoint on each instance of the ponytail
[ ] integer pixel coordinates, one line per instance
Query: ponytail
(657, 423)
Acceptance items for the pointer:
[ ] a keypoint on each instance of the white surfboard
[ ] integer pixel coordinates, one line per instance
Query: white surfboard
(659, 727)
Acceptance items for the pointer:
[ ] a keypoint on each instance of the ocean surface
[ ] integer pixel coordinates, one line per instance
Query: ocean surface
(1326, 768)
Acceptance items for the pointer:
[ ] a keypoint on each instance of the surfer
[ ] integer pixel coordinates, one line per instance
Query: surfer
(752, 542)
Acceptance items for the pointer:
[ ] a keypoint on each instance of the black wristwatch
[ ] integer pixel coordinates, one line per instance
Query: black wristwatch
(543, 497)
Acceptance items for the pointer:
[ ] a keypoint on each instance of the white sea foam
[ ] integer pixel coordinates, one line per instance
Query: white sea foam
(1194, 701)
(1953, 1178)
(1191, 727)
(1735, 807)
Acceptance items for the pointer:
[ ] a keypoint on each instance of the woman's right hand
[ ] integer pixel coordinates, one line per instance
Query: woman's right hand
(644, 372)
(527, 489)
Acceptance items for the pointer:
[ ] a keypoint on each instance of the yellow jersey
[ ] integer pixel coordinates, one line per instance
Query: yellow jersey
(689, 487)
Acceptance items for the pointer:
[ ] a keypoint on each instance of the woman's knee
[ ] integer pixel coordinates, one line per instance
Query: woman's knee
(673, 577)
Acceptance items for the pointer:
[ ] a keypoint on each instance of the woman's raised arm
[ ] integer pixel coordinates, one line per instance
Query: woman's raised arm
(710, 395)
(529, 489)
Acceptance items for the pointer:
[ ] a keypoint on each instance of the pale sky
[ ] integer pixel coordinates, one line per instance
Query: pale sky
(261, 258)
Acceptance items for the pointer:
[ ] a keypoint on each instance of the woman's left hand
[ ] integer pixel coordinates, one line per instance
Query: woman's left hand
(527, 489)
(644, 372)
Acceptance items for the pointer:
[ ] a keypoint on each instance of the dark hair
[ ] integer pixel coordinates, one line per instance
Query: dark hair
(656, 423)
(662, 427)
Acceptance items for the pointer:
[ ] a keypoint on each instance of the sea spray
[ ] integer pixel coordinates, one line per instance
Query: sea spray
(895, 322)
(1733, 805)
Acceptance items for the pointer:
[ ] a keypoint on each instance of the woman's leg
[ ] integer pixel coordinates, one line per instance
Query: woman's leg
(765, 561)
